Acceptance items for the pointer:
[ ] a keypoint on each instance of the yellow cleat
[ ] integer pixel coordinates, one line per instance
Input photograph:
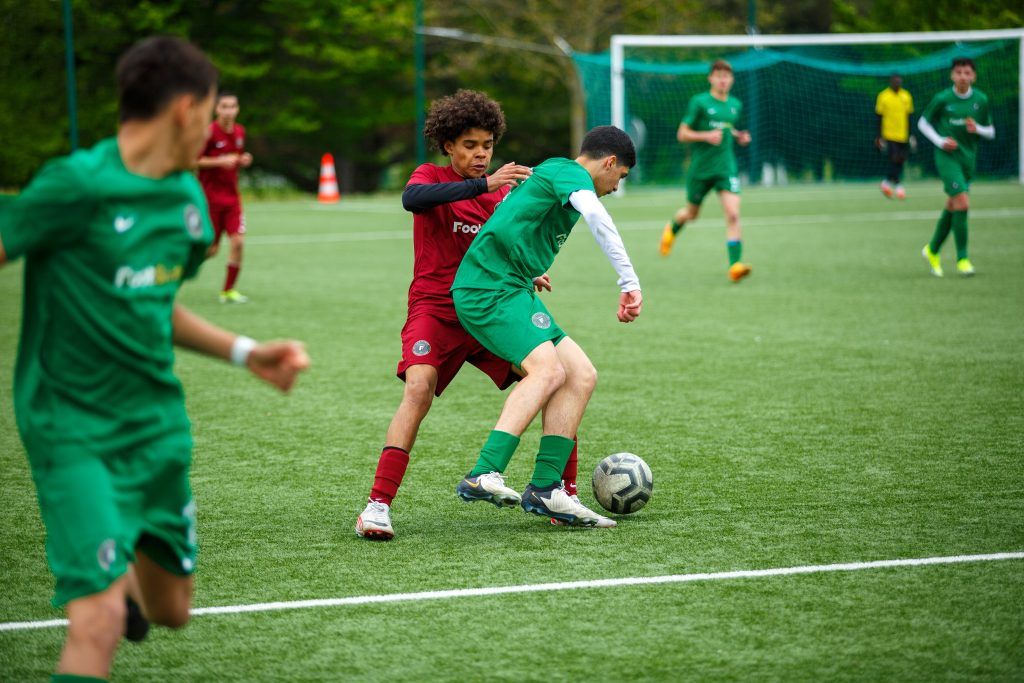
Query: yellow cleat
(964, 267)
(233, 296)
(933, 260)
(738, 271)
(668, 238)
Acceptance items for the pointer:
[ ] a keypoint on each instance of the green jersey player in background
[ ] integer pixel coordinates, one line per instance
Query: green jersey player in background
(495, 300)
(710, 125)
(953, 121)
(108, 235)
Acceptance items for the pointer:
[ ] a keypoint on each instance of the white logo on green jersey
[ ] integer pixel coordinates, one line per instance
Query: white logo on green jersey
(123, 223)
(193, 222)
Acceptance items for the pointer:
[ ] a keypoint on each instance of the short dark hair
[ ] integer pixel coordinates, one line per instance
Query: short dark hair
(963, 61)
(221, 94)
(720, 65)
(605, 141)
(156, 70)
(453, 115)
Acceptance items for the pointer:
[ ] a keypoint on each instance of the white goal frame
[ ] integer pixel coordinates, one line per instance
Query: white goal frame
(620, 41)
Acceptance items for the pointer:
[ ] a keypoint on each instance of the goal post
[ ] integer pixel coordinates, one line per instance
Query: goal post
(834, 76)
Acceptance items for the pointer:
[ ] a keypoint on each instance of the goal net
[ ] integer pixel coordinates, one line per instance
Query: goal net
(809, 101)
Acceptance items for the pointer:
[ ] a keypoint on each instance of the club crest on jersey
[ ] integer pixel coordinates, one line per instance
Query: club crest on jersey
(560, 239)
(123, 223)
(106, 554)
(421, 348)
(193, 222)
(541, 320)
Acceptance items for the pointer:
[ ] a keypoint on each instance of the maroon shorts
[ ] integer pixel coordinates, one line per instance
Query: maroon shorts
(428, 339)
(227, 218)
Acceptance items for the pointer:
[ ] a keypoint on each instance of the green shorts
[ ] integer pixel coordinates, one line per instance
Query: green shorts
(698, 188)
(510, 323)
(99, 510)
(955, 171)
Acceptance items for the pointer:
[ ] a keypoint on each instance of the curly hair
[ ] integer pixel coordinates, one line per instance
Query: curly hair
(453, 115)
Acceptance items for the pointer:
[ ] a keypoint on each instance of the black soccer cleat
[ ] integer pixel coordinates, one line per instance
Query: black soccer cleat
(136, 626)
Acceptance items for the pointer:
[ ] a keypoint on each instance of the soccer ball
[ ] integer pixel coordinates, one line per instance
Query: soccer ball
(622, 483)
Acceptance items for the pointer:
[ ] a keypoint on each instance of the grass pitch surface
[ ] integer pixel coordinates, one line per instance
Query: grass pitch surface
(840, 405)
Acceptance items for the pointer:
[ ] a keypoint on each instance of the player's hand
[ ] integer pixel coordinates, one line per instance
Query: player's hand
(278, 363)
(509, 174)
(878, 143)
(742, 137)
(543, 282)
(972, 125)
(229, 160)
(713, 137)
(629, 306)
(949, 145)
(245, 160)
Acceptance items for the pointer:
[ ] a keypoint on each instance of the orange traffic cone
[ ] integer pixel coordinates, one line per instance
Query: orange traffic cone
(328, 181)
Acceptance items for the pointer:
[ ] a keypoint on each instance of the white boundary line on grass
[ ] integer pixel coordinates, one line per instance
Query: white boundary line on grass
(561, 586)
(825, 219)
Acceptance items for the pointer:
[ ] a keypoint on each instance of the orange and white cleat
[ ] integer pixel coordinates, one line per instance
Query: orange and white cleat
(886, 189)
(901, 192)
(738, 271)
(668, 238)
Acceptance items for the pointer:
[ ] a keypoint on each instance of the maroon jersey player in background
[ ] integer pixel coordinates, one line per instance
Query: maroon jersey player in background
(223, 155)
(449, 205)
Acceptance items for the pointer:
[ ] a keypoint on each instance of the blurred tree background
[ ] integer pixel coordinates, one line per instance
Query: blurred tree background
(319, 75)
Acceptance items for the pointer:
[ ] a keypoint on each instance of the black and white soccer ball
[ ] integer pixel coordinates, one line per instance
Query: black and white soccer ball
(623, 483)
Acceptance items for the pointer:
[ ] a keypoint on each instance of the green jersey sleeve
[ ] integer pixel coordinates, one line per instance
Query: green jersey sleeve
(571, 178)
(197, 254)
(933, 108)
(52, 212)
(692, 112)
(984, 113)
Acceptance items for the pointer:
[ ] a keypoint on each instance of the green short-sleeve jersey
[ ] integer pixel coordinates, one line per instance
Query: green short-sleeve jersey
(948, 114)
(106, 251)
(520, 240)
(705, 112)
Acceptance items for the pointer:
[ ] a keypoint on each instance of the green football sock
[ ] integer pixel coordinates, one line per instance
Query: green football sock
(72, 678)
(941, 231)
(677, 227)
(735, 248)
(960, 233)
(496, 453)
(551, 458)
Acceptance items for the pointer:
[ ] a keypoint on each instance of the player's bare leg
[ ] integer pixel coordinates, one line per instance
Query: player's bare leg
(681, 217)
(733, 235)
(564, 410)
(95, 627)
(544, 375)
(374, 522)
(165, 597)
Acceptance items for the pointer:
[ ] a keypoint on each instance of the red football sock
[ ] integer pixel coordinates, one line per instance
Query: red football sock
(569, 474)
(229, 281)
(390, 470)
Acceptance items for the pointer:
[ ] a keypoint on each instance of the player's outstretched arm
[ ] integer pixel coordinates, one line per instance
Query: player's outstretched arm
(925, 126)
(687, 134)
(988, 132)
(608, 238)
(278, 363)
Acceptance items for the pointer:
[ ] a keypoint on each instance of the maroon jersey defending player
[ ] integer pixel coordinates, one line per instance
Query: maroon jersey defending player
(449, 205)
(219, 162)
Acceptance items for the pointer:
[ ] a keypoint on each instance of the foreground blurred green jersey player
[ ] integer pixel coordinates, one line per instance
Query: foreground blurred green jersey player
(495, 300)
(108, 235)
(953, 121)
(711, 124)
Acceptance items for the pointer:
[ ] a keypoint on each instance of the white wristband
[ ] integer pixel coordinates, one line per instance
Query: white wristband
(241, 348)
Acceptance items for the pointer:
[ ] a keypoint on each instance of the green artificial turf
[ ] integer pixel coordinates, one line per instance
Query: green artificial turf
(840, 405)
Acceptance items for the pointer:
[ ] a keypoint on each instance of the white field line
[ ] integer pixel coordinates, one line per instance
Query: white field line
(561, 586)
(824, 219)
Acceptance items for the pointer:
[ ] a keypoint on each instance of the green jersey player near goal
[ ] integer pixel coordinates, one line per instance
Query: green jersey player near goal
(108, 235)
(953, 121)
(711, 125)
(494, 297)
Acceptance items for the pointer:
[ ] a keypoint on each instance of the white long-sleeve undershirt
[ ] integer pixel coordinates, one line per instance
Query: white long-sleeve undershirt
(924, 125)
(607, 236)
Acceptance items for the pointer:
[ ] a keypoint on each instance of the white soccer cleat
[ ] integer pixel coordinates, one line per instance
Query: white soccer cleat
(602, 521)
(375, 522)
(490, 487)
